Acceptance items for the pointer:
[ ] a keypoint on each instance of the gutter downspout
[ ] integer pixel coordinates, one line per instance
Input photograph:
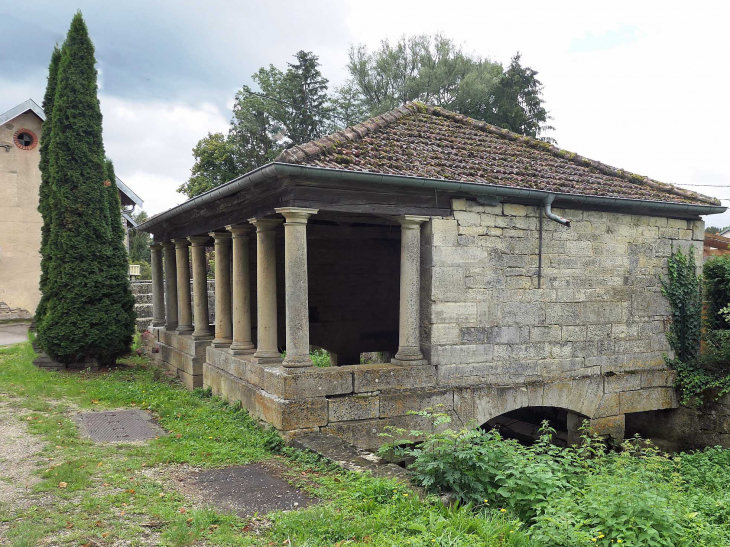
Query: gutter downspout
(547, 205)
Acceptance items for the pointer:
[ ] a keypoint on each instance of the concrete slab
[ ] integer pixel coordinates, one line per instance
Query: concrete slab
(13, 333)
(250, 489)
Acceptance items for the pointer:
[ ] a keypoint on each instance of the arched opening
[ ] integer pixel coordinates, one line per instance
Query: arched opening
(524, 424)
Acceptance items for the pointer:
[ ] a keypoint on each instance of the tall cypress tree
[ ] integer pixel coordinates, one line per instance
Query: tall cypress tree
(81, 320)
(119, 295)
(43, 191)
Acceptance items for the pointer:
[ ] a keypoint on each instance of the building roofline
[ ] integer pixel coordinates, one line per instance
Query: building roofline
(22, 108)
(129, 193)
(299, 154)
(129, 219)
(276, 169)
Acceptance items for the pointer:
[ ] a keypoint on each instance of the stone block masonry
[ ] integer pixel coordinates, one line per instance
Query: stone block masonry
(579, 326)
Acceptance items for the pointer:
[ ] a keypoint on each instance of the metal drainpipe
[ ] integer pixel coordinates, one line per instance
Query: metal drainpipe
(547, 205)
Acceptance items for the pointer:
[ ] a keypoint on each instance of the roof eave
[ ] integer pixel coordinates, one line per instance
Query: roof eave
(276, 169)
(127, 191)
(22, 108)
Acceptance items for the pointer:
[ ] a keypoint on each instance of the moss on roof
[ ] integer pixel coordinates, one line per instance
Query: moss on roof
(425, 141)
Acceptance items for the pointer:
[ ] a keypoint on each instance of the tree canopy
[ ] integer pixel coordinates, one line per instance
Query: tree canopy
(295, 106)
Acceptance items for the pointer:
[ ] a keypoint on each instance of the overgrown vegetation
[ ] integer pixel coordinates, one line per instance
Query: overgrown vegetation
(699, 373)
(579, 495)
(123, 494)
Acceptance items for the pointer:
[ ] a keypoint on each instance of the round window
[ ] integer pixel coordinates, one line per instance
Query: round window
(25, 139)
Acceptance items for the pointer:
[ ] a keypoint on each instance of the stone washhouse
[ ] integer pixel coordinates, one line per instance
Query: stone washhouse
(497, 271)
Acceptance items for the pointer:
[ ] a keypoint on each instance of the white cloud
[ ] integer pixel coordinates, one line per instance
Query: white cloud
(151, 143)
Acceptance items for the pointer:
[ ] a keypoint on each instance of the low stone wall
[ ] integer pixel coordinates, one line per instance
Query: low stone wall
(687, 427)
(359, 402)
(142, 291)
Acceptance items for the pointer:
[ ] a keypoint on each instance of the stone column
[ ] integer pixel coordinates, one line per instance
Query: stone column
(223, 320)
(267, 350)
(242, 341)
(296, 298)
(158, 286)
(200, 288)
(409, 341)
(170, 286)
(184, 309)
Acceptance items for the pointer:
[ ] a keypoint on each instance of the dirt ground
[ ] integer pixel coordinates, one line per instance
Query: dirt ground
(17, 458)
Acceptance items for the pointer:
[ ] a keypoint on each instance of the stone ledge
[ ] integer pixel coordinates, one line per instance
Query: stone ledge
(282, 414)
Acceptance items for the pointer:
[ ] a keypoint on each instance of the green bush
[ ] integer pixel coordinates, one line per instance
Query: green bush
(717, 291)
(578, 495)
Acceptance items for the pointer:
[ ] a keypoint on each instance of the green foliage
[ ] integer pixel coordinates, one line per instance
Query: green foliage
(291, 107)
(294, 106)
(215, 164)
(434, 70)
(139, 242)
(683, 288)
(145, 270)
(578, 495)
(88, 309)
(518, 103)
(698, 374)
(44, 205)
(717, 291)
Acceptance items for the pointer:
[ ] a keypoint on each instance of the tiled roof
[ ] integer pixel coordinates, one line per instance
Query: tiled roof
(430, 142)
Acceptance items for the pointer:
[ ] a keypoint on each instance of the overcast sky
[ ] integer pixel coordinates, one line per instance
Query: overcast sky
(637, 85)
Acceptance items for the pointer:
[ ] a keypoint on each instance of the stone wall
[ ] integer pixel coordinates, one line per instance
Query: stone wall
(142, 291)
(599, 307)
(687, 427)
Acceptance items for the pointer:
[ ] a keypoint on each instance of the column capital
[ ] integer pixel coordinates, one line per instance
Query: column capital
(412, 221)
(296, 215)
(265, 224)
(198, 241)
(180, 243)
(156, 246)
(168, 245)
(240, 230)
(220, 237)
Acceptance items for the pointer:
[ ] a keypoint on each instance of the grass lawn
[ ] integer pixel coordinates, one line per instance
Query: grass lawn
(97, 494)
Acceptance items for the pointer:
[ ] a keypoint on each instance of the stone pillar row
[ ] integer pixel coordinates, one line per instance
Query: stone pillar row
(232, 294)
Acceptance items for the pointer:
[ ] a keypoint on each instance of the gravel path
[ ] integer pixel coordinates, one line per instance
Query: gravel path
(17, 462)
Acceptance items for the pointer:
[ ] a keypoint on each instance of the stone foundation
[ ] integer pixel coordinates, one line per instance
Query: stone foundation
(181, 355)
(358, 402)
(688, 427)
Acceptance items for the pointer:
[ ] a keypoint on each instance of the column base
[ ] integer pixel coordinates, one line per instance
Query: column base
(169, 327)
(202, 336)
(185, 329)
(266, 357)
(409, 356)
(297, 361)
(222, 342)
(157, 324)
(239, 348)
(409, 363)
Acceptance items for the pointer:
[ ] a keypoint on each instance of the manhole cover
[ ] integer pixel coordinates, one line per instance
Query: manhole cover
(119, 426)
(250, 489)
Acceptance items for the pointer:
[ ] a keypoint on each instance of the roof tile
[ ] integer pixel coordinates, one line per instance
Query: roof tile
(424, 141)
